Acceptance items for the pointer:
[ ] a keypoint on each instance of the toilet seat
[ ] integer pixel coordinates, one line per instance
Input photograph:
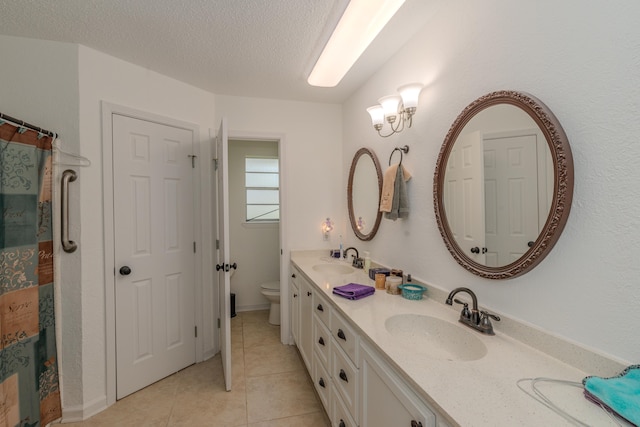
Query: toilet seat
(271, 286)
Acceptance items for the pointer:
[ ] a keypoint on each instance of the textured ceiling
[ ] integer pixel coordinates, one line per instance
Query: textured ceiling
(259, 48)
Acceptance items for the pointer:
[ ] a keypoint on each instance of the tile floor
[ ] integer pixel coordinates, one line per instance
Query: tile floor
(270, 387)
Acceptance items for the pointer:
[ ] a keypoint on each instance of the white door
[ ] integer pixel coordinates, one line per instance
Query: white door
(154, 251)
(464, 195)
(222, 178)
(511, 201)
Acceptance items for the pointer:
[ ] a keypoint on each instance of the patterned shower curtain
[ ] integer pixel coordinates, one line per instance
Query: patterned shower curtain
(29, 388)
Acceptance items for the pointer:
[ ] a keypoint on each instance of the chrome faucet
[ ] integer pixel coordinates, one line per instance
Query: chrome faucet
(478, 320)
(357, 261)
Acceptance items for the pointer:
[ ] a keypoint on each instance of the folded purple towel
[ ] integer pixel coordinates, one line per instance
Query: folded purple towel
(354, 291)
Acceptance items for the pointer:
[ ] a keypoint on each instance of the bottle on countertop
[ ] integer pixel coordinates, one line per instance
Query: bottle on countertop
(367, 261)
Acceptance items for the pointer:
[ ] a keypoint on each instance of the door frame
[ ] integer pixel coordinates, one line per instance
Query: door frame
(285, 327)
(108, 110)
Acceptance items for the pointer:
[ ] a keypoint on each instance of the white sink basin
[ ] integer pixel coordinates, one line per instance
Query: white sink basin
(435, 338)
(333, 268)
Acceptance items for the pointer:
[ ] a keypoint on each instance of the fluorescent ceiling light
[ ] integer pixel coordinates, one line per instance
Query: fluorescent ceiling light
(360, 24)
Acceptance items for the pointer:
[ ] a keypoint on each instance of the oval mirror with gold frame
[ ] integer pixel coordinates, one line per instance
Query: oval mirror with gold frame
(503, 185)
(363, 194)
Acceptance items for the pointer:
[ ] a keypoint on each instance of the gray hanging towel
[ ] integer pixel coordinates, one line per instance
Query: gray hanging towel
(400, 203)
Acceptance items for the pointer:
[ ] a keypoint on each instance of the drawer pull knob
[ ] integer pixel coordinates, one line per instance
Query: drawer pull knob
(320, 308)
(342, 424)
(321, 341)
(321, 382)
(343, 376)
(341, 334)
(415, 423)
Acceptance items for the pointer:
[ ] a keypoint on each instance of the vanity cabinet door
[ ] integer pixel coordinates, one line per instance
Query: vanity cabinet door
(385, 399)
(306, 315)
(294, 293)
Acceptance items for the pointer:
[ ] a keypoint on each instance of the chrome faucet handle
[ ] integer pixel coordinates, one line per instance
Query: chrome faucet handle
(465, 313)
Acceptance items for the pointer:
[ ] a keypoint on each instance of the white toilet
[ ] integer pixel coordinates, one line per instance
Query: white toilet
(271, 291)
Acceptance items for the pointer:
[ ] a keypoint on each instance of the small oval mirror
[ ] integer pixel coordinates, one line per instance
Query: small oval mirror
(503, 185)
(363, 194)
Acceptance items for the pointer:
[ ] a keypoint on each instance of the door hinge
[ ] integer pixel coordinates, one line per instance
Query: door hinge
(196, 331)
(217, 244)
(215, 164)
(218, 323)
(194, 247)
(193, 160)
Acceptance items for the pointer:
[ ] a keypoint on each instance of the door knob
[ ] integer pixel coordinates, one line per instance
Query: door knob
(125, 270)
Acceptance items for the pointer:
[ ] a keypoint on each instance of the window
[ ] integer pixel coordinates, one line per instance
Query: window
(262, 189)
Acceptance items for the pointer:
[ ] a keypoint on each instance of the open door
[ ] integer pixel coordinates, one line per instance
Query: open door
(464, 200)
(223, 267)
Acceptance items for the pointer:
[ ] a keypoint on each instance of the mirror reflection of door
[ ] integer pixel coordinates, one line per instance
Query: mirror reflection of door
(464, 195)
(511, 195)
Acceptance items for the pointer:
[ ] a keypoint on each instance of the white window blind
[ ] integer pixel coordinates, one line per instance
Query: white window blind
(262, 177)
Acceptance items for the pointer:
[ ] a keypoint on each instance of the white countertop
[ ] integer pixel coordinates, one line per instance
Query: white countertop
(480, 392)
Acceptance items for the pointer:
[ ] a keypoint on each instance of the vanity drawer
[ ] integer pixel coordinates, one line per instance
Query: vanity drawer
(322, 341)
(340, 416)
(345, 336)
(321, 308)
(322, 382)
(345, 379)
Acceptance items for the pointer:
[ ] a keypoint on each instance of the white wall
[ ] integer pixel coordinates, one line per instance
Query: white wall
(311, 154)
(60, 86)
(582, 61)
(255, 247)
(104, 78)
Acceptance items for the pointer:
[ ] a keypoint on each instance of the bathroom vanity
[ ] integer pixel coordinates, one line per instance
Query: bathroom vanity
(388, 361)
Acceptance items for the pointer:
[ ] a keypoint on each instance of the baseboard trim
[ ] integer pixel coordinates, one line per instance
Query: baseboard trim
(253, 307)
(77, 413)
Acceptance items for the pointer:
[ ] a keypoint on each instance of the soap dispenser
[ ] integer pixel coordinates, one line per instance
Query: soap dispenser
(367, 262)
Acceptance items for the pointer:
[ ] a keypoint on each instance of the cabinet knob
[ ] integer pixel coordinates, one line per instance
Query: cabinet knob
(320, 307)
(415, 423)
(321, 341)
(321, 382)
(343, 376)
(293, 275)
(341, 335)
(308, 293)
(342, 424)
(295, 295)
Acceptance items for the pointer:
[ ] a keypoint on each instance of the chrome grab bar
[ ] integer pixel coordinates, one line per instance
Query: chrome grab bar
(67, 176)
